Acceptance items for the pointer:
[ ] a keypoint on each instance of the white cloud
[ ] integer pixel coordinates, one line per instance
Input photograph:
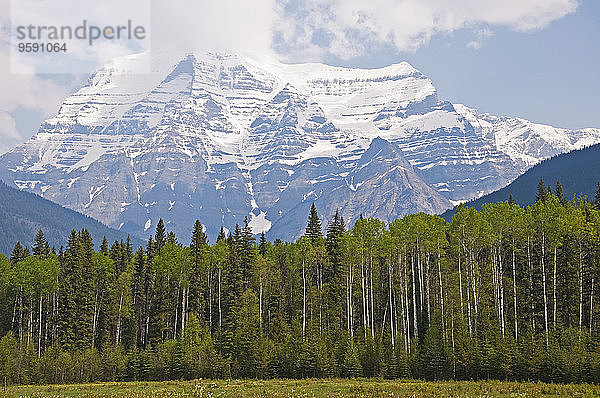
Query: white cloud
(232, 26)
(351, 27)
(295, 30)
(8, 127)
(9, 135)
(480, 36)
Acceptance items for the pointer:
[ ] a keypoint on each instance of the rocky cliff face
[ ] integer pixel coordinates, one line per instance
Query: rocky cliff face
(221, 137)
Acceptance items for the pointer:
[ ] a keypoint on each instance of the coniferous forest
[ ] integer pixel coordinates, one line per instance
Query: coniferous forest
(504, 293)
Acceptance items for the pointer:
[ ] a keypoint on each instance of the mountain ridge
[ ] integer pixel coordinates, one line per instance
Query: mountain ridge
(24, 213)
(578, 172)
(223, 137)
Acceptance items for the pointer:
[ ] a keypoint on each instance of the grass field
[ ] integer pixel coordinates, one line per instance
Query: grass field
(306, 388)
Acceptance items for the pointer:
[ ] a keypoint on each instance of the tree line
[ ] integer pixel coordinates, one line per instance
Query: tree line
(505, 293)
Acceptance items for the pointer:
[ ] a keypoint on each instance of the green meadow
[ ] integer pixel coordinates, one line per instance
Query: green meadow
(307, 388)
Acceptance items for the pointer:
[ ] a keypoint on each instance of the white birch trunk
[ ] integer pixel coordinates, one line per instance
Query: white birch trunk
(260, 294)
(414, 294)
(580, 287)
(391, 305)
(303, 300)
(591, 305)
(371, 297)
(514, 272)
(220, 309)
(118, 333)
(554, 290)
(40, 327)
(544, 287)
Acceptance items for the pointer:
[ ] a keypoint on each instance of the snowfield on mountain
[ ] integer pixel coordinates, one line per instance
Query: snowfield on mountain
(220, 137)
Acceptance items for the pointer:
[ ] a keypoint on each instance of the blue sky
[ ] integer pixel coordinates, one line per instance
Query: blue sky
(536, 59)
(550, 76)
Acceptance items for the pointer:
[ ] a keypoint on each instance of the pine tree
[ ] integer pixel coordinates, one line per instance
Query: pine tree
(511, 200)
(597, 198)
(541, 194)
(313, 229)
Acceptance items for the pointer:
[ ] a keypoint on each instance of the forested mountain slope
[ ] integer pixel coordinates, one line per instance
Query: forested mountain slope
(578, 172)
(23, 214)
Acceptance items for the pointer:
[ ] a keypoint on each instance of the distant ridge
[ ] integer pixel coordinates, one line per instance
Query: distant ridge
(578, 172)
(22, 214)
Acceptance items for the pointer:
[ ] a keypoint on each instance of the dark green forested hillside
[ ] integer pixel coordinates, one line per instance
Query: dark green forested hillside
(578, 171)
(504, 293)
(23, 214)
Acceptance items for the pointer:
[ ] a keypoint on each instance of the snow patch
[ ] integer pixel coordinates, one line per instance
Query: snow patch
(259, 223)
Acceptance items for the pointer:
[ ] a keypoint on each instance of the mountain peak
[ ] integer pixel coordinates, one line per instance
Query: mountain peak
(222, 137)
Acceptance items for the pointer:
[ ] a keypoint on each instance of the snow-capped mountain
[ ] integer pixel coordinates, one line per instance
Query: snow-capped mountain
(222, 137)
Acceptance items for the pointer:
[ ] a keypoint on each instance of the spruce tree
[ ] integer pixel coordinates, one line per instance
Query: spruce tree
(541, 194)
(171, 238)
(104, 247)
(335, 230)
(85, 290)
(150, 248)
(246, 251)
(262, 245)
(18, 254)
(116, 255)
(69, 276)
(433, 355)
(198, 249)
(313, 229)
(128, 249)
(160, 237)
(221, 235)
(511, 200)
(139, 295)
(40, 245)
(597, 198)
(559, 193)
(199, 239)
(351, 365)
